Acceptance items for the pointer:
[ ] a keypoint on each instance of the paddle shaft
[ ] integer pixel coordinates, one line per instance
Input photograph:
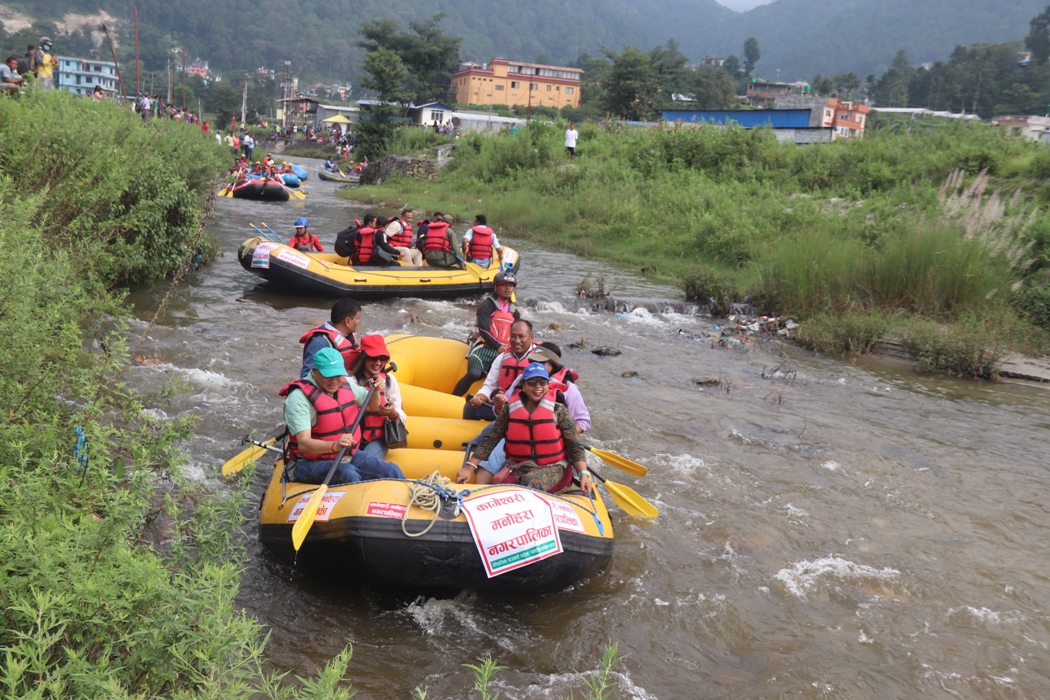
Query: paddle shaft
(619, 461)
(351, 431)
(627, 498)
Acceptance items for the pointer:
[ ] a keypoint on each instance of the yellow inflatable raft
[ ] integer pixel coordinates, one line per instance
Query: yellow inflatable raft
(507, 539)
(328, 274)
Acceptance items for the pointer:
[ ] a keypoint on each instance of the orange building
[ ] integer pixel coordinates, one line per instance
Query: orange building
(847, 118)
(504, 82)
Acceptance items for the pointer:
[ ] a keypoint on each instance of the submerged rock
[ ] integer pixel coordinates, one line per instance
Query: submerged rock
(606, 351)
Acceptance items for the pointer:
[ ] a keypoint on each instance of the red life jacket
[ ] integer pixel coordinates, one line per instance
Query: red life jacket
(334, 415)
(510, 368)
(403, 239)
(500, 322)
(481, 243)
(436, 238)
(534, 435)
(372, 424)
(364, 244)
(565, 375)
(347, 347)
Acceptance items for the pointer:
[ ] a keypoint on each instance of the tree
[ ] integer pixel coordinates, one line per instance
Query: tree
(821, 85)
(732, 66)
(847, 83)
(631, 89)
(891, 89)
(1038, 39)
(668, 65)
(429, 57)
(711, 88)
(751, 55)
(386, 77)
(593, 94)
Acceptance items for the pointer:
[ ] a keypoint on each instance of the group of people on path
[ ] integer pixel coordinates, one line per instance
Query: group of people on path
(536, 409)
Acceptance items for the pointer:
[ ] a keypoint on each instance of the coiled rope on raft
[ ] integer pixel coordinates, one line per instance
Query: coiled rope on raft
(425, 494)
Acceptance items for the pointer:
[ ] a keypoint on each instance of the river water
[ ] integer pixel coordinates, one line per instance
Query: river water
(826, 529)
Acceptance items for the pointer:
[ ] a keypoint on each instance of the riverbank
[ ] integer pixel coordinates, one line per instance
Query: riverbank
(120, 573)
(939, 238)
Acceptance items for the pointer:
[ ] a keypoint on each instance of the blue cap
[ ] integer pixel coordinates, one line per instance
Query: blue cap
(329, 362)
(534, 370)
(301, 222)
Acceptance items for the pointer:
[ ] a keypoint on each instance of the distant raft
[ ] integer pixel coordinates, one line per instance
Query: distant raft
(330, 275)
(263, 190)
(335, 177)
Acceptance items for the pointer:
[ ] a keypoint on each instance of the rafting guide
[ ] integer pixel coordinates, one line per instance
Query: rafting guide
(512, 529)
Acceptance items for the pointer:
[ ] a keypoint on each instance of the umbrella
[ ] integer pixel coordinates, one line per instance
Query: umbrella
(337, 119)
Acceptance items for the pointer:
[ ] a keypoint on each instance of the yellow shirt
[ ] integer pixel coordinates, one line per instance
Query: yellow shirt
(46, 67)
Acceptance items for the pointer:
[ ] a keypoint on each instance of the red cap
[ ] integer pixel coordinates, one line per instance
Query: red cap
(374, 346)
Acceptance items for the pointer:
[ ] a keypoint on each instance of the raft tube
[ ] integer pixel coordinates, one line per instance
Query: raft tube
(262, 190)
(329, 275)
(336, 177)
(300, 171)
(290, 179)
(361, 538)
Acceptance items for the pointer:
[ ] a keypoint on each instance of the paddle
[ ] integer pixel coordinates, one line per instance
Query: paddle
(251, 454)
(627, 498)
(295, 193)
(306, 519)
(619, 461)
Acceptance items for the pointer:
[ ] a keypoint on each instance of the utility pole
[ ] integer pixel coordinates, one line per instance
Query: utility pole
(113, 53)
(183, 78)
(138, 80)
(244, 105)
(167, 73)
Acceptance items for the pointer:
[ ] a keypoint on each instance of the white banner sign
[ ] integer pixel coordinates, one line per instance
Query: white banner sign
(261, 255)
(293, 258)
(512, 529)
(324, 512)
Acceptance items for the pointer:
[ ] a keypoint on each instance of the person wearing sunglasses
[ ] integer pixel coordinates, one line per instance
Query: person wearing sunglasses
(542, 447)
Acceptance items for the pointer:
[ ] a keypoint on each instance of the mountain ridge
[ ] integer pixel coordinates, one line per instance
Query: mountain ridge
(798, 37)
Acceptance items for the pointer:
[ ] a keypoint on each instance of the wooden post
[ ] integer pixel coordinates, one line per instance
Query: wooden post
(138, 80)
(183, 78)
(113, 52)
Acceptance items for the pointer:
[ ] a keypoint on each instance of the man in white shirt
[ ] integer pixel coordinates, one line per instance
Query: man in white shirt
(570, 141)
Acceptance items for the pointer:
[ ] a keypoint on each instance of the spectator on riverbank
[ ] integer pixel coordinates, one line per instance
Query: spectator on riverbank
(45, 64)
(571, 136)
(10, 80)
(97, 94)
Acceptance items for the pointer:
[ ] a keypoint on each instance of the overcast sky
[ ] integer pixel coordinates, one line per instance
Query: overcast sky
(742, 5)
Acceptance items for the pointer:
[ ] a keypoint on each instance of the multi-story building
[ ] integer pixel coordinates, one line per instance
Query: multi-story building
(81, 75)
(761, 92)
(504, 82)
(198, 67)
(848, 119)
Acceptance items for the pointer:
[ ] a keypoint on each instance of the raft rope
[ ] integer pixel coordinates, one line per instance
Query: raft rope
(425, 494)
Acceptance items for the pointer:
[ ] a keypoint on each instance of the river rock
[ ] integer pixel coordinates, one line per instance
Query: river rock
(606, 351)
(580, 344)
(556, 327)
(629, 374)
(705, 381)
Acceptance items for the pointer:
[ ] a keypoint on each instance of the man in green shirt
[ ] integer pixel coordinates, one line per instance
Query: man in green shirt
(319, 411)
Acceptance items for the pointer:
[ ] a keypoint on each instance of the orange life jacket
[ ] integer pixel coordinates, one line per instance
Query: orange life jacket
(481, 243)
(534, 436)
(364, 244)
(403, 239)
(436, 238)
(347, 347)
(334, 415)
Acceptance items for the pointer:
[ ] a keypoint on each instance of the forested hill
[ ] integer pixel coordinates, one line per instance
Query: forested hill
(798, 37)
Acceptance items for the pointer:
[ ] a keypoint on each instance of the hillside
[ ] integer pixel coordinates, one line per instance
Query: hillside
(799, 37)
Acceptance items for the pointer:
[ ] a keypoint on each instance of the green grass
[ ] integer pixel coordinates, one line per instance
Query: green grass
(849, 227)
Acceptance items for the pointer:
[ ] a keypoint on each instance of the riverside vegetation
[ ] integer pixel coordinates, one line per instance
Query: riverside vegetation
(119, 573)
(939, 238)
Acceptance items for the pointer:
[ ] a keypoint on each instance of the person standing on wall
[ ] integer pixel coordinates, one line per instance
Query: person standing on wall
(571, 135)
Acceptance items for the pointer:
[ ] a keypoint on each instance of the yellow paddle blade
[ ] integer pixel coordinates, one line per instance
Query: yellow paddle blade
(298, 194)
(306, 520)
(251, 454)
(619, 461)
(630, 501)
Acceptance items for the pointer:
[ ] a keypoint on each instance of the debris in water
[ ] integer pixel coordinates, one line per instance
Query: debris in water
(584, 290)
(606, 351)
(581, 344)
(146, 361)
(556, 327)
(629, 373)
(705, 381)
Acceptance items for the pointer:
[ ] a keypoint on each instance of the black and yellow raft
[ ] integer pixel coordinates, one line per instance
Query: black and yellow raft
(362, 529)
(328, 274)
